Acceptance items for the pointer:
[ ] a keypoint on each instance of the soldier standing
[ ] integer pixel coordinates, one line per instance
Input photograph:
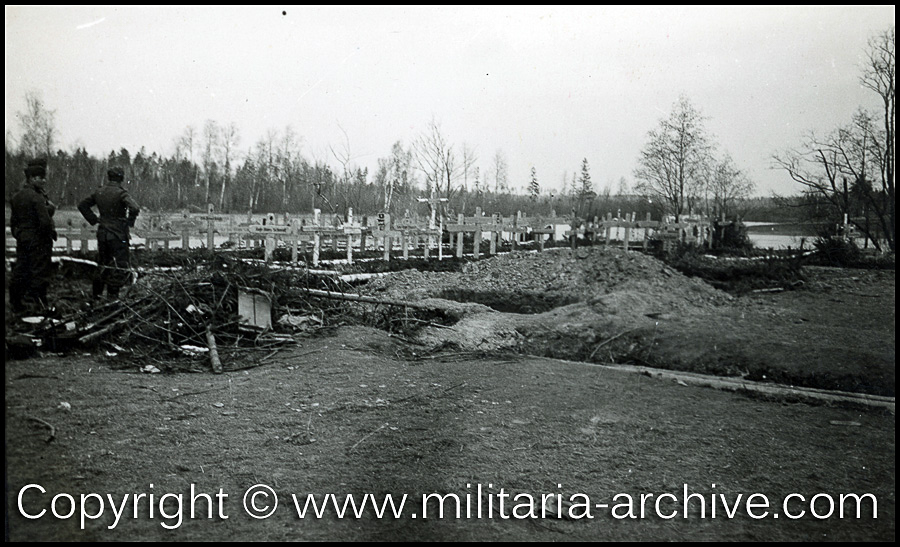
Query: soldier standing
(31, 224)
(118, 212)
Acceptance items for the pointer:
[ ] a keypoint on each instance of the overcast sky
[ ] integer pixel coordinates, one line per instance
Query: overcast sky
(548, 86)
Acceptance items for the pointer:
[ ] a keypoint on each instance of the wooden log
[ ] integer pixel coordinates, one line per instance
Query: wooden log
(365, 299)
(213, 351)
(476, 242)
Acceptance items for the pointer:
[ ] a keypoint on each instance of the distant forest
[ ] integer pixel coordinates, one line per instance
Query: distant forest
(279, 184)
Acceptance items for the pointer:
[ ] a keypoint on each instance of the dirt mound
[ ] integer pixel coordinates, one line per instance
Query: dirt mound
(612, 280)
(562, 303)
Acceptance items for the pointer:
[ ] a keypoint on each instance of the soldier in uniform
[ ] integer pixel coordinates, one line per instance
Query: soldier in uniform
(118, 211)
(31, 223)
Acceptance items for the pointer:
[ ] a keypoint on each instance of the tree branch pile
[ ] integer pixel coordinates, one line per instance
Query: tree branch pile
(188, 319)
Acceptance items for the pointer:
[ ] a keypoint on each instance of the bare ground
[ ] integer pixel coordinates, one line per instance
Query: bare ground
(353, 410)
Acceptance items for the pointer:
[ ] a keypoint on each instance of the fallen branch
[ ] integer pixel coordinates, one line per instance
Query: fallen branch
(88, 338)
(367, 436)
(366, 299)
(52, 429)
(603, 343)
(116, 325)
(26, 375)
(213, 352)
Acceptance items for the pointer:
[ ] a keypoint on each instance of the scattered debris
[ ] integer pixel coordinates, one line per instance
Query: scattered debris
(49, 426)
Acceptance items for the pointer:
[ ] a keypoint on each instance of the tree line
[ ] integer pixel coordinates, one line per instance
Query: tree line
(274, 176)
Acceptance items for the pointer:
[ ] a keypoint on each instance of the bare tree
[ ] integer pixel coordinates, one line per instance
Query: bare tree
(395, 173)
(436, 159)
(265, 162)
(499, 170)
(350, 187)
(38, 126)
(852, 168)
(189, 142)
(879, 75)
(672, 166)
(728, 185)
(230, 139)
(343, 155)
(467, 161)
(210, 148)
(837, 169)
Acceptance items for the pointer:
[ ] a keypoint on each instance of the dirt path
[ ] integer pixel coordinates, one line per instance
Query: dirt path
(357, 413)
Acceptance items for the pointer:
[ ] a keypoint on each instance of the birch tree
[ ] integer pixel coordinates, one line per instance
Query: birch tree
(673, 165)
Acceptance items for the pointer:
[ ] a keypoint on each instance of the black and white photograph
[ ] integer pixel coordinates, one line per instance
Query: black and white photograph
(377, 273)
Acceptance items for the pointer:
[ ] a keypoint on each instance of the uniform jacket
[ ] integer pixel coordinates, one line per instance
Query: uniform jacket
(31, 216)
(118, 210)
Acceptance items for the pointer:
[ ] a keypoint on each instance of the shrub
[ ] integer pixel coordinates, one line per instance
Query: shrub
(737, 276)
(837, 251)
(731, 237)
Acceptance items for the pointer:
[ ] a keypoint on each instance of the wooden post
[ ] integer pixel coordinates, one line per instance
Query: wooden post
(349, 248)
(440, 239)
(210, 223)
(69, 236)
(476, 242)
(496, 232)
(608, 225)
(404, 244)
(628, 224)
(647, 233)
(295, 244)
(459, 237)
(85, 236)
(349, 236)
(315, 253)
(477, 238)
(384, 223)
(270, 238)
(573, 230)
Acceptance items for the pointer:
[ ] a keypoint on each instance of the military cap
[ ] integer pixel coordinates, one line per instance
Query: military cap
(116, 174)
(36, 168)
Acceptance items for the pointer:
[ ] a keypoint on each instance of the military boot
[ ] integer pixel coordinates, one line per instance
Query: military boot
(16, 299)
(97, 289)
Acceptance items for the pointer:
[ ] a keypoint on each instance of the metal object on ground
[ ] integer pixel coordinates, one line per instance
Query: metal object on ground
(255, 308)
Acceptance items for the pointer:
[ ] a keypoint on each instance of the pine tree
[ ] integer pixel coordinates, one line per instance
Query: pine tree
(534, 189)
(585, 191)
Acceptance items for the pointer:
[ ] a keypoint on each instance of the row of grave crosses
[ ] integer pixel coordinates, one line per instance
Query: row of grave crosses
(407, 231)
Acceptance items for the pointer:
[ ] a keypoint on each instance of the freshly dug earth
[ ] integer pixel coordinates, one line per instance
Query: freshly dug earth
(605, 305)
